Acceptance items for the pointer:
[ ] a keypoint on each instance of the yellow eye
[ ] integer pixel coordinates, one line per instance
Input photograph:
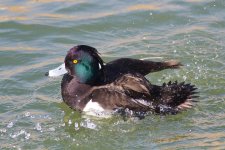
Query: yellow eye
(75, 61)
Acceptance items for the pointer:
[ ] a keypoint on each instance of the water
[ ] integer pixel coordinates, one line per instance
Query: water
(36, 34)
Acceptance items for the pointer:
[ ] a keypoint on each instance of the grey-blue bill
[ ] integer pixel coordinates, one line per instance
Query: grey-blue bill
(61, 70)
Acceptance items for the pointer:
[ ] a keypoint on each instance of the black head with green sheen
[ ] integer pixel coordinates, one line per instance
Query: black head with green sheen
(84, 63)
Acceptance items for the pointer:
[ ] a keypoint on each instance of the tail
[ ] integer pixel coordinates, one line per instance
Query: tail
(175, 97)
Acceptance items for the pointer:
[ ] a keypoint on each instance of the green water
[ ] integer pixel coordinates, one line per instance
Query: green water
(36, 34)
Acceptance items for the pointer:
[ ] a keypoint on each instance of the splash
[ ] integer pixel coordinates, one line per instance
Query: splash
(20, 133)
(87, 123)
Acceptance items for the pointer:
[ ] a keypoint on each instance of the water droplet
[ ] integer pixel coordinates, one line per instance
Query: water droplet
(63, 124)
(69, 122)
(76, 126)
(91, 125)
(52, 129)
(38, 127)
(21, 132)
(13, 136)
(150, 13)
(27, 114)
(27, 135)
(184, 77)
(32, 116)
(16, 134)
(3, 130)
(10, 125)
(88, 124)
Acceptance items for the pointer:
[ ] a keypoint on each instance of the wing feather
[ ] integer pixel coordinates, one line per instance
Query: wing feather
(129, 91)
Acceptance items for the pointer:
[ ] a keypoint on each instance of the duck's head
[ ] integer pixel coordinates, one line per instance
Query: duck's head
(84, 63)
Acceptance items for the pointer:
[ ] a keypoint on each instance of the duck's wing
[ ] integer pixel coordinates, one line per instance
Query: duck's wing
(129, 91)
(128, 65)
(135, 92)
(174, 97)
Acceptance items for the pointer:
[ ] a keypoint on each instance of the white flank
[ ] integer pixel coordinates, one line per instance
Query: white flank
(92, 106)
(95, 109)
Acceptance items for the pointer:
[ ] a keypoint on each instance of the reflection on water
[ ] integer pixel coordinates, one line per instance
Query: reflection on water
(24, 48)
(143, 7)
(29, 10)
(15, 71)
(36, 34)
(15, 9)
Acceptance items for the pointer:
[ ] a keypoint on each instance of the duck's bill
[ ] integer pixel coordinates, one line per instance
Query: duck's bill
(61, 70)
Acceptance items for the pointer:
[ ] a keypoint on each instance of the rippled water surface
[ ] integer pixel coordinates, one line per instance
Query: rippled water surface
(36, 34)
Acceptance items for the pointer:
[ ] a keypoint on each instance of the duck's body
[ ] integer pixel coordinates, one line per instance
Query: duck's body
(120, 84)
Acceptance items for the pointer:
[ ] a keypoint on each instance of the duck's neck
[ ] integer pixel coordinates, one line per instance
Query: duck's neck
(73, 92)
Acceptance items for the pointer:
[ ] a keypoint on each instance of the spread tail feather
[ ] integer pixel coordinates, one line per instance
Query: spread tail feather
(175, 97)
